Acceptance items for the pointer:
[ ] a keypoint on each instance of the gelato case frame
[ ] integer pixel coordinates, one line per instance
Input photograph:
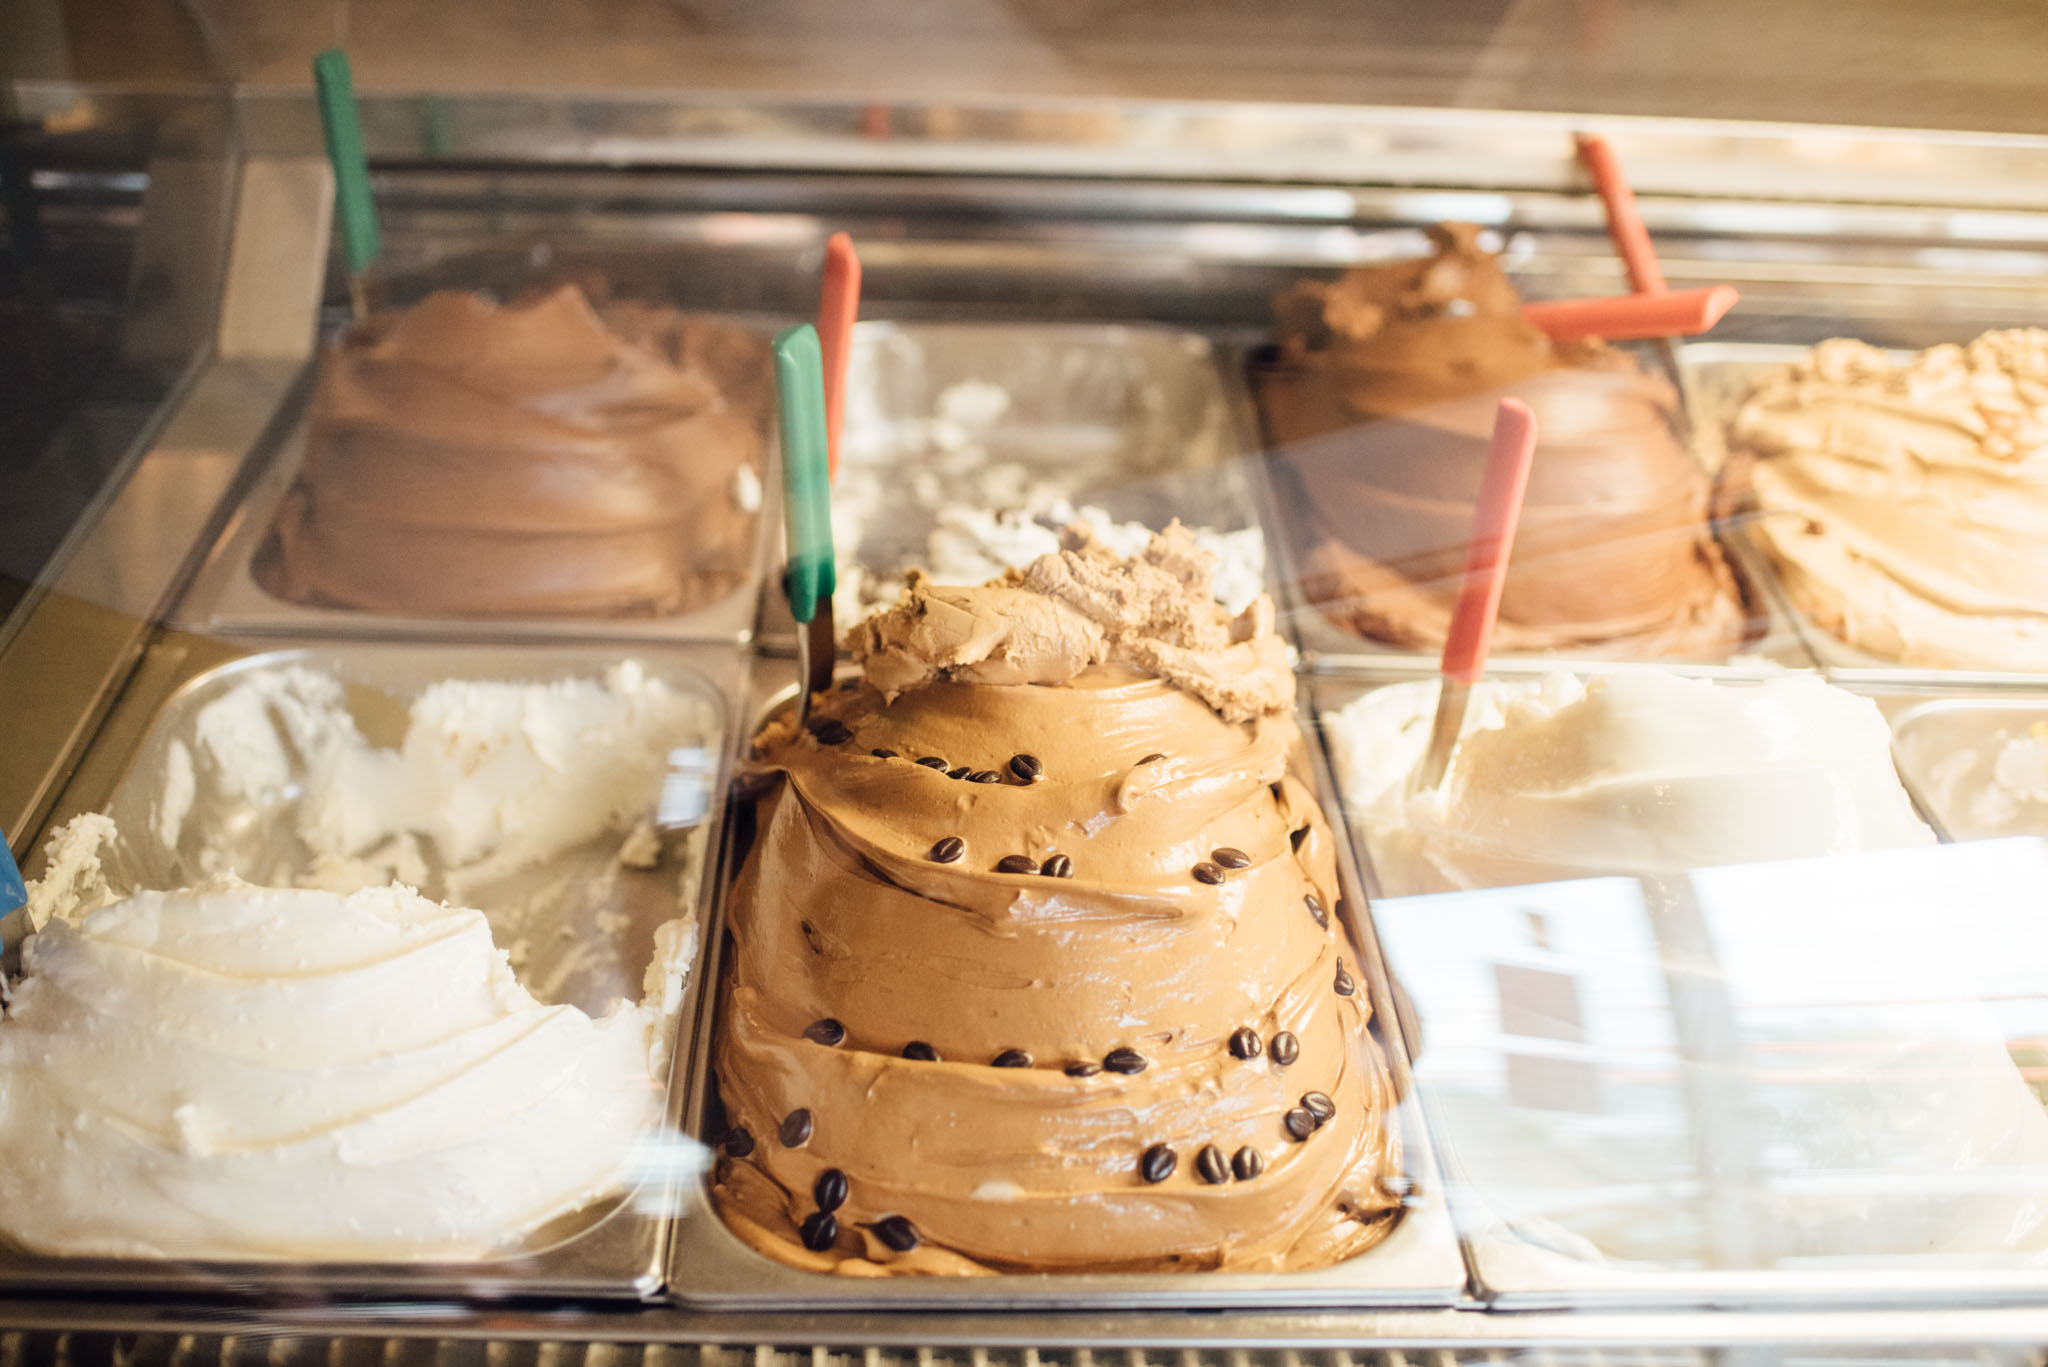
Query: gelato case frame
(1181, 217)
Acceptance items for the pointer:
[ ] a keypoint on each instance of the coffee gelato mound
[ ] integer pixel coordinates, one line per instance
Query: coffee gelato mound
(544, 458)
(1904, 504)
(1037, 959)
(1380, 400)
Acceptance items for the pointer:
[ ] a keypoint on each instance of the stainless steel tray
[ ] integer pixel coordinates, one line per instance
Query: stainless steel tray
(225, 596)
(1946, 745)
(1511, 1272)
(1418, 1265)
(1145, 423)
(1773, 639)
(1718, 376)
(580, 925)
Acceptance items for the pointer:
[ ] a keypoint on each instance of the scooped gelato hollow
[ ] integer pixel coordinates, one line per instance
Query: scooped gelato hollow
(1904, 504)
(1635, 772)
(545, 458)
(1381, 399)
(1035, 963)
(232, 1071)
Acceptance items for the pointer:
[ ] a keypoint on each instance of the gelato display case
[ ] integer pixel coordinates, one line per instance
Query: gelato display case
(448, 939)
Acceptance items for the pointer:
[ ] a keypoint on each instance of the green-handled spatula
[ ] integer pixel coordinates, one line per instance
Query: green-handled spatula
(342, 123)
(14, 920)
(806, 506)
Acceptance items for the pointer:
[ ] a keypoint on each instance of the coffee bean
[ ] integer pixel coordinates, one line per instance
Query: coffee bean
(831, 731)
(1247, 1163)
(827, 1031)
(1212, 1166)
(1011, 1058)
(883, 752)
(962, 772)
(1026, 767)
(984, 776)
(1300, 1124)
(1245, 1043)
(1083, 1069)
(896, 1233)
(1295, 838)
(1343, 908)
(1286, 1048)
(1016, 863)
(1158, 1163)
(918, 1050)
(738, 1143)
(1125, 1061)
(1231, 858)
(829, 1191)
(1316, 909)
(821, 1231)
(1205, 872)
(933, 762)
(1059, 866)
(1345, 987)
(1319, 1105)
(1152, 758)
(948, 850)
(795, 1131)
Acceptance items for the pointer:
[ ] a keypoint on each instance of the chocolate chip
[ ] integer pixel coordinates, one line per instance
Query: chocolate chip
(1026, 767)
(1011, 1058)
(921, 1052)
(738, 1142)
(1212, 1166)
(1245, 1042)
(1231, 857)
(1152, 758)
(1205, 872)
(1016, 863)
(1295, 838)
(1083, 1069)
(1317, 909)
(1286, 1048)
(896, 1233)
(948, 850)
(831, 731)
(1343, 908)
(795, 1131)
(1059, 866)
(882, 752)
(984, 776)
(933, 762)
(1300, 1124)
(1345, 987)
(1247, 1163)
(821, 1231)
(1125, 1061)
(961, 772)
(1158, 1163)
(829, 1191)
(826, 1031)
(1319, 1105)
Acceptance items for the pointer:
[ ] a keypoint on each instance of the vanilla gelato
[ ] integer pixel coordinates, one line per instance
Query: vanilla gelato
(1905, 504)
(1633, 772)
(242, 1072)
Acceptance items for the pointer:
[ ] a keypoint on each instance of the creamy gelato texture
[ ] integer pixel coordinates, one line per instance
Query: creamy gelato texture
(547, 457)
(232, 1071)
(1037, 951)
(1905, 503)
(1381, 398)
(1634, 772)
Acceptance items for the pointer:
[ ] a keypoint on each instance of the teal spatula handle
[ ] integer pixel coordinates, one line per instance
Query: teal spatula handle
(343, 126)
(806, 490)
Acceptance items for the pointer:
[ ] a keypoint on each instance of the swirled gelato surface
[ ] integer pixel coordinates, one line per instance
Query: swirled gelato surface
(1905, 503)
(1635, 772)
(543, 458)
(1381, 398)
(242, 1072)
(996, 1047)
